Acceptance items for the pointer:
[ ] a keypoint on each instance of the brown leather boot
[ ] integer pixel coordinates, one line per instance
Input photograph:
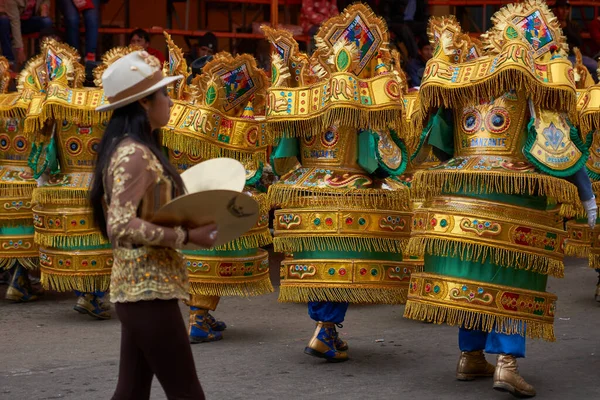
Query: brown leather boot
(507, 378)
(472, 365)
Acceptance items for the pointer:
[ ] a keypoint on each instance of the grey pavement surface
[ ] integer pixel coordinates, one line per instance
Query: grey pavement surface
(48, 351)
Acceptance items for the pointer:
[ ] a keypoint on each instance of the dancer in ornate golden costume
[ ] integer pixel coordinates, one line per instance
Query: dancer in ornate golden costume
(221, 114)
(490, 227)
(579, 233)
(584, 241)
(17, 248)
(74, 256)
(344, 216)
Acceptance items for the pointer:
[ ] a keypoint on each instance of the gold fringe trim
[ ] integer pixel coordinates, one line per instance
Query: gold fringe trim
(479, 320)
(252, 241)
(306, 126)
(7, 263)
(13, 112)
(21, 189)
(589, 122)
(317, 242)
(594, 260)
(560, 98)
(62, 241)
(61, 196)
(290, 196)
(579, 250)
(432, 183)
(480, 252)
(62, 112)
(29, 263)
(197, 147)
(70, 282)
(571, 210)
(375, 294)
(236, 288)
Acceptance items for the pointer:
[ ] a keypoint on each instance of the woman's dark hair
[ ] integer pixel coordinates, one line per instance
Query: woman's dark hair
(129, 121)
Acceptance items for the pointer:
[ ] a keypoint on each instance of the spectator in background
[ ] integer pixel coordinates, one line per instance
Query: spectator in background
(141, 38)
(416, 66)
(21, 17)
(572, 31)
(90, 9)
(314, 13)
(207, 45)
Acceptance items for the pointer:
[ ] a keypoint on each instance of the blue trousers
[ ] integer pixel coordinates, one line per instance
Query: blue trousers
(327, 311)
(492, 343)
(91, 19)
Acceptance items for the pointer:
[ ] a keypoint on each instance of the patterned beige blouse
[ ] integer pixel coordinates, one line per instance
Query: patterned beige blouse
(147, 265)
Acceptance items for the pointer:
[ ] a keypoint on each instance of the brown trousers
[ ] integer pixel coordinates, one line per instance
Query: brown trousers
(154, 341)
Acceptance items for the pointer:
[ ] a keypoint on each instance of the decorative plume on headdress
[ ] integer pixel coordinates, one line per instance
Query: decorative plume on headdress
(352, 77)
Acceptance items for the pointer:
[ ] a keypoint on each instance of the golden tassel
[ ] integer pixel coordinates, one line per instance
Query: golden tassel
(68, 282)
(199, 147)
(359, 294)
(243, 288)
(479, 252)
(594, 260)
(62, 241)
(305, 126)
(61, 196)
(289, 196)
(479, 320)
(341, 243)
(579, 250)
(21, 189)
(251, 241)
(431, 183)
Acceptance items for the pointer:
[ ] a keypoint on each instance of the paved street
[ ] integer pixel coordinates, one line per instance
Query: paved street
(49, 351)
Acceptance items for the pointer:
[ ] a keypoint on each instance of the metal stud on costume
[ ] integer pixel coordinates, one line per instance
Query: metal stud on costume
(221, 115)
(490, 227)
(18, 252)
(343, 217)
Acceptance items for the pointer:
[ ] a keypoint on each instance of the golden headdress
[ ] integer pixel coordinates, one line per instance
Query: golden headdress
(57, 71)
(227, 117)
(525, 51)
(352, 76)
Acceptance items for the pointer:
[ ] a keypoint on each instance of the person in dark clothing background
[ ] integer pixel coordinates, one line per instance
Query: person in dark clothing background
(416, 66)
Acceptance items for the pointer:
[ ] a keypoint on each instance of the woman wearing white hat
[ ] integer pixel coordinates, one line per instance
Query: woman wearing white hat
(148, 276)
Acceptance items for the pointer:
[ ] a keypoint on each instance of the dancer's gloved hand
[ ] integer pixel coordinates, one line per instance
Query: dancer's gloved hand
(591, 210)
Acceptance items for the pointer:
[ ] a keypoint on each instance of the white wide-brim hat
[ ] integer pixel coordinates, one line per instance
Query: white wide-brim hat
(131, 78)
(214, 196)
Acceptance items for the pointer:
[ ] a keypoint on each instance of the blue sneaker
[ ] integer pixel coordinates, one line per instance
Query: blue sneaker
(90, 304)
(323, 343)
(20, 290)
(200, 328)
